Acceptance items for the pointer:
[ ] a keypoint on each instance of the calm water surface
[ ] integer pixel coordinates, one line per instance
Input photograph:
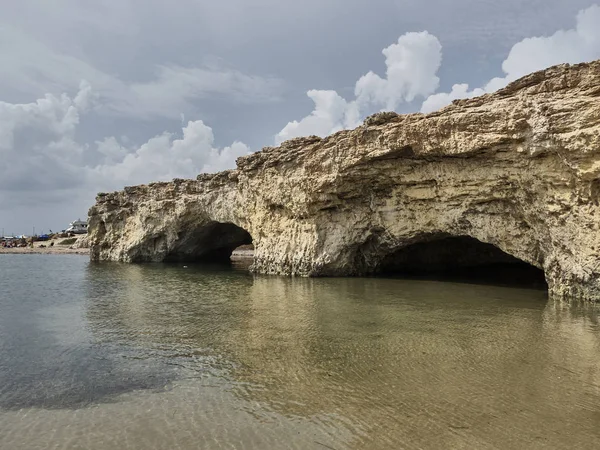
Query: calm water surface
(109, 356)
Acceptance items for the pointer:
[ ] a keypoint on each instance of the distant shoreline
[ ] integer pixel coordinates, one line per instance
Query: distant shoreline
(242, 254)
(49, 247)
(44, 251)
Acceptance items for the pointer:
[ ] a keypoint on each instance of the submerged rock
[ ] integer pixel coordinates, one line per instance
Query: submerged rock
(518, 169)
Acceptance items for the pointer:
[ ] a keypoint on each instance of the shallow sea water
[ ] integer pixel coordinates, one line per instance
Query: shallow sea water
(111, 356)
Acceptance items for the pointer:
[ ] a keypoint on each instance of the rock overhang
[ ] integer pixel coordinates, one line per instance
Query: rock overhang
(518, 169)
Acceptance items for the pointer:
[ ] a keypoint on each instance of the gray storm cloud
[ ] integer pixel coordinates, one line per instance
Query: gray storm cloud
(72, 142)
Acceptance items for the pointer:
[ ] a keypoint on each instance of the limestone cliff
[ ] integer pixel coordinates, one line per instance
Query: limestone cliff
(518, 169)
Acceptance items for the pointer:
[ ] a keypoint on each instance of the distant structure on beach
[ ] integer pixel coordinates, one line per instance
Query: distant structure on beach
(77, 227)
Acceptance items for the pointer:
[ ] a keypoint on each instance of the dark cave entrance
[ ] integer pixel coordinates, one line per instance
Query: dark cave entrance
(462, 259)
(211, 243)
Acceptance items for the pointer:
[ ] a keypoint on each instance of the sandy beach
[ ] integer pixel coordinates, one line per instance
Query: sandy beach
(47, 251)
(56, 249)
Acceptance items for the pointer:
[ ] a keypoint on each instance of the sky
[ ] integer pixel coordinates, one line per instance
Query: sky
(95, 96)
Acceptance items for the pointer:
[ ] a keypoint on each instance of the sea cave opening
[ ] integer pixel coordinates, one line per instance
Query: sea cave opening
(211, 243)
(462, 259)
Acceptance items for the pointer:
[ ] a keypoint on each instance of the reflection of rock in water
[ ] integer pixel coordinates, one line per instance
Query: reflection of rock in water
(403, 360)
(157, 304)
(394, 361)
(243, 257)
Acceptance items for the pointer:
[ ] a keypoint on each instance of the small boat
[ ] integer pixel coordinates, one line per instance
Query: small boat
(77, 227)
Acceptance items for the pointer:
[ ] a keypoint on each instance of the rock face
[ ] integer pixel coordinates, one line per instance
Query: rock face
(518, 170)
(82, 242)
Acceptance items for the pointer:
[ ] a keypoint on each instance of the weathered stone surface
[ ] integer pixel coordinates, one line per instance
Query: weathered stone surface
(518, 169)
(82, 242)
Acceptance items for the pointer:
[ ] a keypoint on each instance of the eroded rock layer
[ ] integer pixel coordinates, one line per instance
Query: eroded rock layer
(518, 169)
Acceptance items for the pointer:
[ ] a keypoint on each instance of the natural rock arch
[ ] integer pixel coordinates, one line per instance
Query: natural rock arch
(518, 169)
(211, 242)
(203, 241)
(460, 257)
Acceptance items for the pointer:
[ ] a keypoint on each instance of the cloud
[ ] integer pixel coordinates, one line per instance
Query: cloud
(37, 144)
(536, 53)
(30, 65)
(199, 82)
(175, 89)
(51, 114)
(439, 100)
(411, 65)
(331, 113)
(163, 158)
(43, 162)
(146, 67)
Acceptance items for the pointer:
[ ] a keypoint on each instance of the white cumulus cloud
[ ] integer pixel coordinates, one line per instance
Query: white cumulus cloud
(411, 63)
(536, 53)
(163, 158)
(441, 99)
(331, 113)
(44, 162)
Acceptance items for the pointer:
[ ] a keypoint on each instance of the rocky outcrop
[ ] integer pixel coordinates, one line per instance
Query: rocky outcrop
(518, 169)
(82, 242)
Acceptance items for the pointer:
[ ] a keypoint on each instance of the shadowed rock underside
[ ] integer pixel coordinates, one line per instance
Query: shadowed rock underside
(518, 169)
